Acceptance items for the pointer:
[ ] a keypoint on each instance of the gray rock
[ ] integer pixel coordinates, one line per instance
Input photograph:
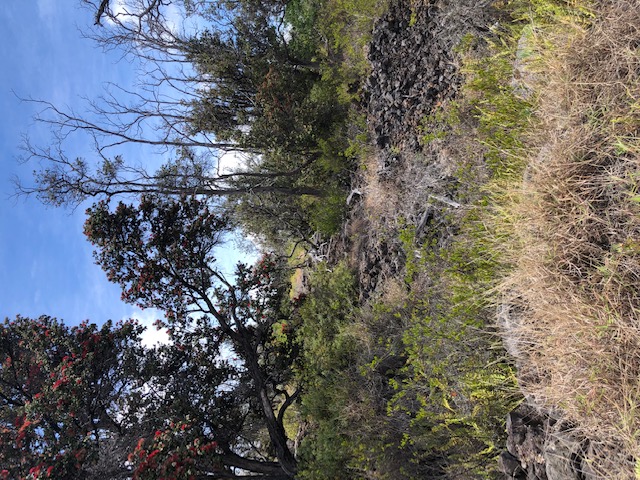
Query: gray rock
(545, 447)
(562, 456)
(525, 440)
(510, 465)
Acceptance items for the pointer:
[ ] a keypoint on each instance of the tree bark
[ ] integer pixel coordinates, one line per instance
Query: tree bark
(270, 470)
(277, 434)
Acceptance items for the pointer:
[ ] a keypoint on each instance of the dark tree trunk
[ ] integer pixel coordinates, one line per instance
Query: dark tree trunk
(277, 434)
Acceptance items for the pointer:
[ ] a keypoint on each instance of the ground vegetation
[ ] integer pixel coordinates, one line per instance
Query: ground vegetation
(446, 195)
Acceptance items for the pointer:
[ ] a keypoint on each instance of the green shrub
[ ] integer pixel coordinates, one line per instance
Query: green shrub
(327, 352)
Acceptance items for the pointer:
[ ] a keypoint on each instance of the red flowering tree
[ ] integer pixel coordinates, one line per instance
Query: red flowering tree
(63, 393)
(88, 402)
(225, 369)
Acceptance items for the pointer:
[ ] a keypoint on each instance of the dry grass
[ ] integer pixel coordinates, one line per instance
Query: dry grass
(390, 201)
(577, 275)
(378, 201)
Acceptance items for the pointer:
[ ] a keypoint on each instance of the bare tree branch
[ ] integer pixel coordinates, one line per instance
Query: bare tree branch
(101, 9)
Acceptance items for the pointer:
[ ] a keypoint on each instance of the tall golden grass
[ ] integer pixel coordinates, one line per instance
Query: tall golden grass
(577, 224)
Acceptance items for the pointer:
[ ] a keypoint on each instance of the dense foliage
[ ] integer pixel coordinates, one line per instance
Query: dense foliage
(260, 379)
(249, 81)
(66, 393)
(161, 253)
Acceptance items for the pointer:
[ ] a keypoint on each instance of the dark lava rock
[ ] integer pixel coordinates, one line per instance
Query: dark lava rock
(414, 65)
(543, 447)
(510, 466)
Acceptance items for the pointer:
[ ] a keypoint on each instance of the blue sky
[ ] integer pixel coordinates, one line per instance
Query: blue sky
(46, 266)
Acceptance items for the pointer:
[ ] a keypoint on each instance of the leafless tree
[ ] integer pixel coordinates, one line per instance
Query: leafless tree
(157, 116)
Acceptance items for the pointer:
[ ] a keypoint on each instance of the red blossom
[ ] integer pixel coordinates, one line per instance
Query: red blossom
(59, 383)
(209, 447)
(19, 420)
(25, 425)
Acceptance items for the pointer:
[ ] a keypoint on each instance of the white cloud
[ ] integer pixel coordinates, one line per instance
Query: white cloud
(230, 162)
(118, 10)
(173, 17)
(125, 11)
(151, 336)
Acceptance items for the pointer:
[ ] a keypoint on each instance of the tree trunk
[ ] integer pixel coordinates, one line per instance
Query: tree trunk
(277, 434)
(270, 470)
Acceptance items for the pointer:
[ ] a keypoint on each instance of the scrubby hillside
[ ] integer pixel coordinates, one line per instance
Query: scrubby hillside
(445, 193)
(484, 281)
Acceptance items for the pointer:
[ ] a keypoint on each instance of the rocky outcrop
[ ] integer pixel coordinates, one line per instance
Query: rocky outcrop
(414, 68)
(539, 447)
(414, 65)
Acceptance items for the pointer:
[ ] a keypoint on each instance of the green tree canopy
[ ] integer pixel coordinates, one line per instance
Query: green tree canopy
(162, 254)
(237, 85)
(92, 402)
